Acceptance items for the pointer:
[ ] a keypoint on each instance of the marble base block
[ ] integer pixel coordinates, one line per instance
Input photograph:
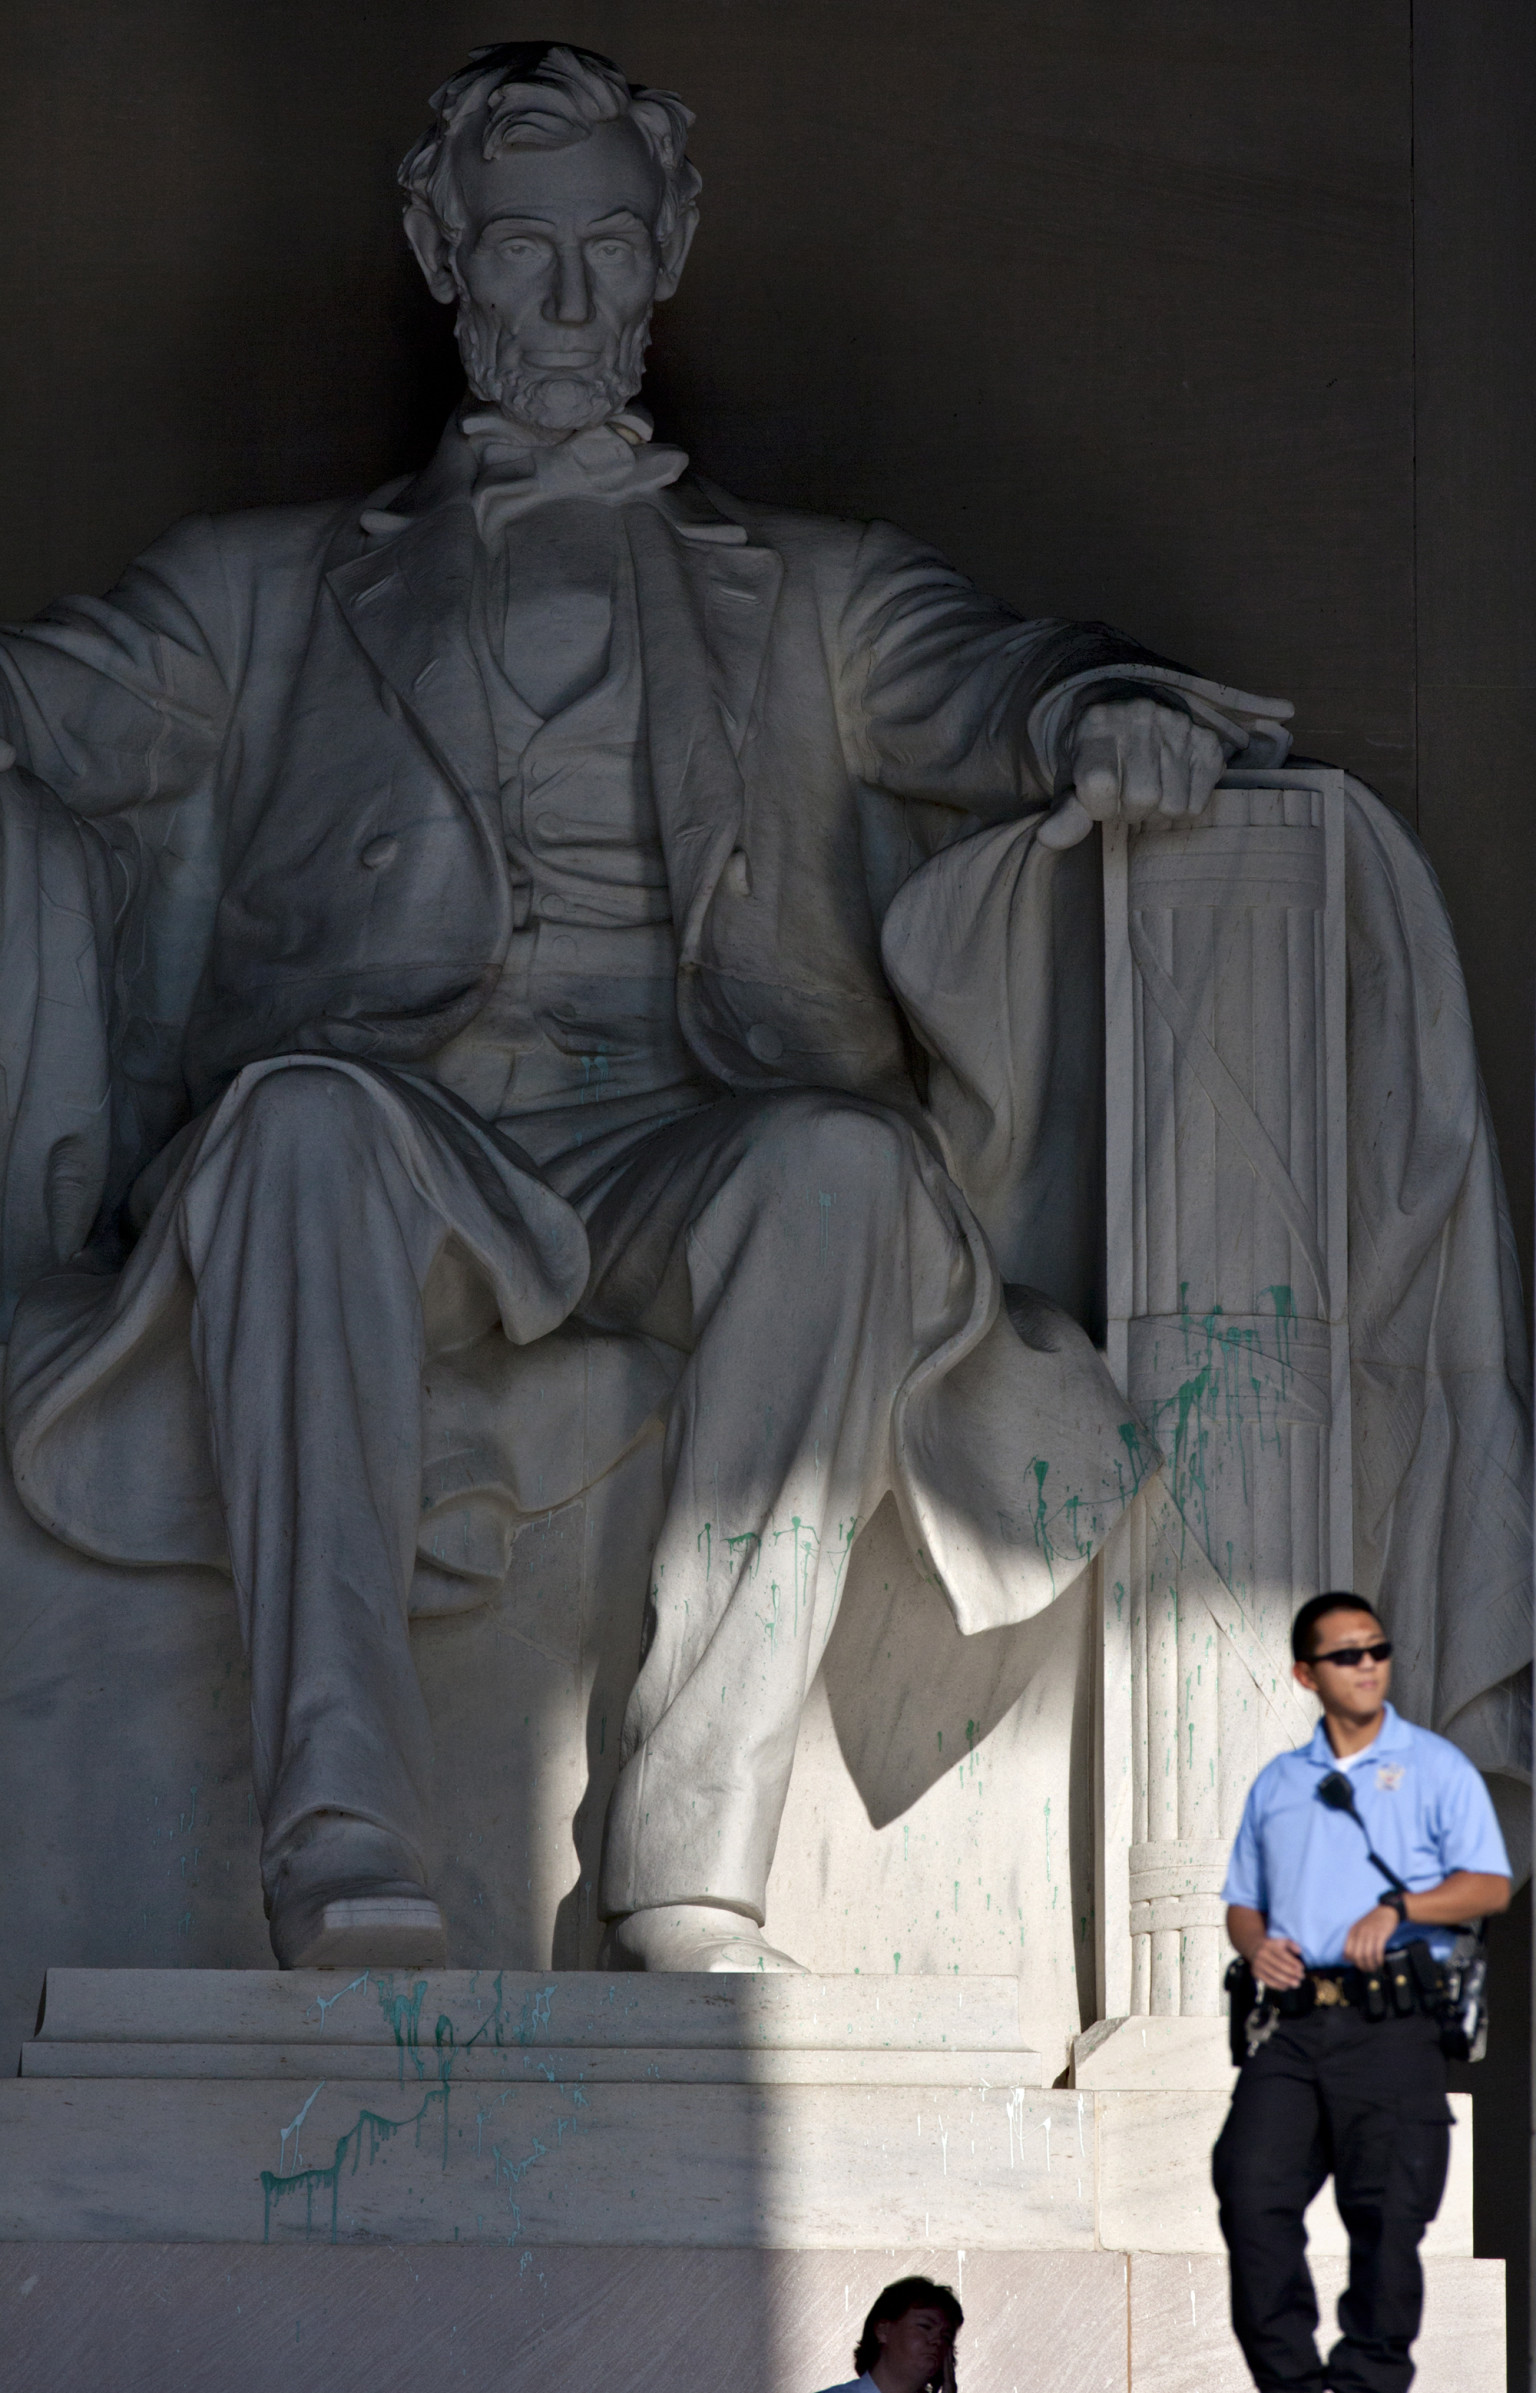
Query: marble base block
(1154, 2179)
(1181, 2341)
(180, 2318)
(569, 2108)
(513, 2108)
(1161, 2088)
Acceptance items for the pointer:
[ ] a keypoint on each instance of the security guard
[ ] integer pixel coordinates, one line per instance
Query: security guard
(1345, 2068)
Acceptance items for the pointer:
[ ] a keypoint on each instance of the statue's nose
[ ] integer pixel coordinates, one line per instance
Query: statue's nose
(571, 291)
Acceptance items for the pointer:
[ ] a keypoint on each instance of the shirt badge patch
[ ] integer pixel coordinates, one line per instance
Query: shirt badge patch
(1390, 1775)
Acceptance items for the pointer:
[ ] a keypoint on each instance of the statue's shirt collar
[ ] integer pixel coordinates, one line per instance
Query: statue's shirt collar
(615, 464)
(483, 457)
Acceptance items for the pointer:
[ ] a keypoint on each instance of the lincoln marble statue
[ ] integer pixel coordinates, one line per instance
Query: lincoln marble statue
(550, 946)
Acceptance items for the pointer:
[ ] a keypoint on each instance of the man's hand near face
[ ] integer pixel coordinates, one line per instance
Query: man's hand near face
(1134, 760)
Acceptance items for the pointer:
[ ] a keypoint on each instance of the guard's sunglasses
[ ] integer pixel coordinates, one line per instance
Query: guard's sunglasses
(1350, 1657)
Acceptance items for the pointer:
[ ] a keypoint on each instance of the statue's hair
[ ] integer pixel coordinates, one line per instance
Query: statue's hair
(542, 96)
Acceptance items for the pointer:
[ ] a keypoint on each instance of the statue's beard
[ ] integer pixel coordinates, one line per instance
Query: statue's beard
(549, 402)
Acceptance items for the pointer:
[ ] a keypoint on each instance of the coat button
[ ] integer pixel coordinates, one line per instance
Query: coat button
(765, 1043)
(379, 852)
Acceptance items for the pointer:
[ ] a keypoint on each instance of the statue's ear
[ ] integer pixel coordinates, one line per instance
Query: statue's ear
(674, 251)
(434, 251)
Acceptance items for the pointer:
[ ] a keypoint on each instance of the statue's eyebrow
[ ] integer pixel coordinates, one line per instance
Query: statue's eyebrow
(615, 216)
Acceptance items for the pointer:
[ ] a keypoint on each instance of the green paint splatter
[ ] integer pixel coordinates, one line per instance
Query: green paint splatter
(370, 2127)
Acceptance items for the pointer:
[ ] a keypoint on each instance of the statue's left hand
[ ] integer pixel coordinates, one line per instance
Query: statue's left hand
(1134, 761)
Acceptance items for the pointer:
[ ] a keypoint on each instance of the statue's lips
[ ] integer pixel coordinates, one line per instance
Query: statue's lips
(574, 363)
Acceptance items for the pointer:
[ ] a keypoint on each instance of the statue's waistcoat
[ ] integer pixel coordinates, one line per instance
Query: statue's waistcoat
(585, 1007)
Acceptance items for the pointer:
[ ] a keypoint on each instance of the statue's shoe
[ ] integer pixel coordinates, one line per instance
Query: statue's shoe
(686, 1936)
(367, 1924)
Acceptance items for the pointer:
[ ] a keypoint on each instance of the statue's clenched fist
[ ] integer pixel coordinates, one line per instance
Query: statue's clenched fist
(1135, 761)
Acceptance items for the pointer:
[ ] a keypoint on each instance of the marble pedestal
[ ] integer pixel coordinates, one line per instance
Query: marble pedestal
(559, 2179)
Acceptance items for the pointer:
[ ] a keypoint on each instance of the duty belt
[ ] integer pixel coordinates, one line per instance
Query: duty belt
(1409, 1980)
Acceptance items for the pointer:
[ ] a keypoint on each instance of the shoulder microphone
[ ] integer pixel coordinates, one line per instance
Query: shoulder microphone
(1336, 1791)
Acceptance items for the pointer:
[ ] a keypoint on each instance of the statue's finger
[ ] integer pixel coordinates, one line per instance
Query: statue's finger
(1207, 763)
(1173, 800)
(1070, 822)
(1141, 771)
(1098, 778)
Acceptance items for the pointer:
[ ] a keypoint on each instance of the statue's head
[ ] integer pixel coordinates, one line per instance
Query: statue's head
(552, 204)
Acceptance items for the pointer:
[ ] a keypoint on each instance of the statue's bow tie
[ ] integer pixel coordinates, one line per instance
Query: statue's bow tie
(615, 463)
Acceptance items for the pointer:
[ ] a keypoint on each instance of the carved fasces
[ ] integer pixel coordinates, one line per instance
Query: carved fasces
(1228, 1277)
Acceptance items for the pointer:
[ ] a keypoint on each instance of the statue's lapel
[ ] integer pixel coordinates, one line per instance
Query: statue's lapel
(705, 604)
(736, 585)
(407, 599)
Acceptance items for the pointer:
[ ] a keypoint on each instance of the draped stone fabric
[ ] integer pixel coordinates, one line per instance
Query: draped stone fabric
(1440, 1373)
(55, 1036)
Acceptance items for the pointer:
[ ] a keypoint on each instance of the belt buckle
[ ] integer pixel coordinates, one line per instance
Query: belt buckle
(1331, 1994)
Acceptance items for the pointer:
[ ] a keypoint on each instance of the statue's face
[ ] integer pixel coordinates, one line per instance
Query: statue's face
(556, 272)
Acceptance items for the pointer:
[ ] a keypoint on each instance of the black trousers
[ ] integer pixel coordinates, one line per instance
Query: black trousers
(1332, 2092)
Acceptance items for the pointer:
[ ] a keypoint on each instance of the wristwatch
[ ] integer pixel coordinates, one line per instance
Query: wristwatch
(1396, 1900)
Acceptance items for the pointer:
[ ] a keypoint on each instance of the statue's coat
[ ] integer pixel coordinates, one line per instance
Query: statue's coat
(848, 743)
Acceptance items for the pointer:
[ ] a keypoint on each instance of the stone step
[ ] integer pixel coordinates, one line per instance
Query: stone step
(1148, 2054)
(418, 2157)
(779, 2113)
(570, 2010)
(575, 2064)
(244, 2160)
(184, 2318)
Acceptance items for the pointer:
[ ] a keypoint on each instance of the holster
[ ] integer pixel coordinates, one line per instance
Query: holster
(1242, 1993)
(1253, 2009)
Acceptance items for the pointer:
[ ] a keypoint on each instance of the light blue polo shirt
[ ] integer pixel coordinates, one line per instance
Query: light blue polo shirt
(1426, 1811)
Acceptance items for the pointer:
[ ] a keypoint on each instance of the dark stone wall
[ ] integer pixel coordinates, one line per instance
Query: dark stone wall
(1215, 321)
